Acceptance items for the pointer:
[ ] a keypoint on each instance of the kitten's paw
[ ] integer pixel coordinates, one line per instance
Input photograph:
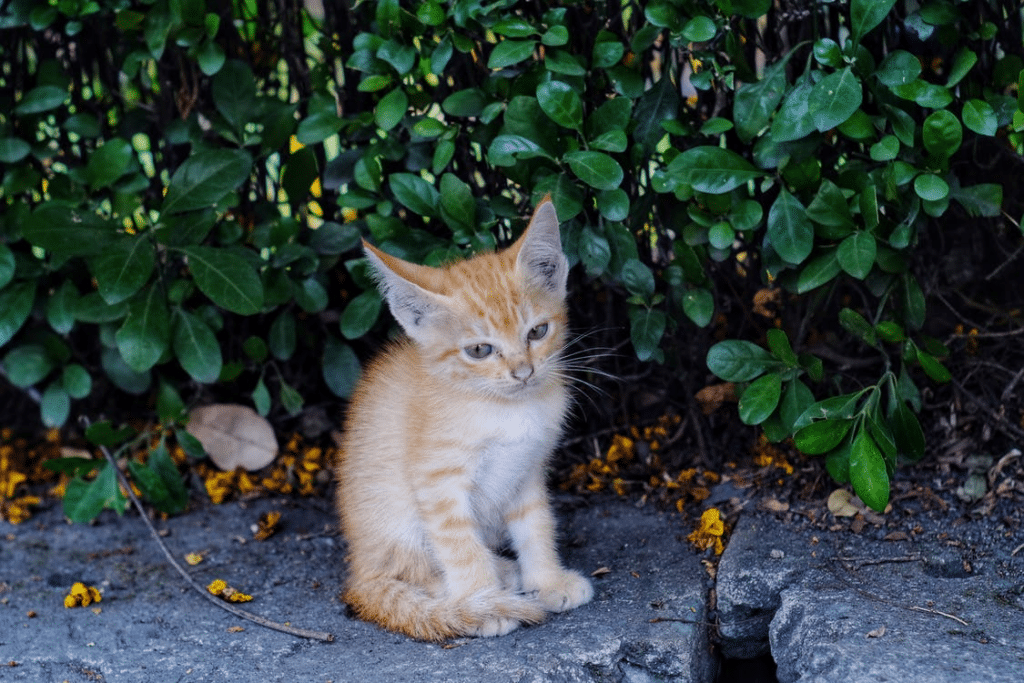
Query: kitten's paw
(495, 626)
(565, 590)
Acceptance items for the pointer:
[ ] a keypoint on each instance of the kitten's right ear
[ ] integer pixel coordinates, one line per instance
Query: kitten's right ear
(406, 287)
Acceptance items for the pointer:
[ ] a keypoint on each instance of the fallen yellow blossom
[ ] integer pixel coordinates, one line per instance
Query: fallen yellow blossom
(222, 590)
(81, 596)
(708, 533)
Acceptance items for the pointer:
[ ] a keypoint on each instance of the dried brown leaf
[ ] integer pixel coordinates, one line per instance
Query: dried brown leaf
(234, 436)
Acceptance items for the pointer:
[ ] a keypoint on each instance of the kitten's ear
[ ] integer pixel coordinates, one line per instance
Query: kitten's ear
(406, 286)
(540, 257)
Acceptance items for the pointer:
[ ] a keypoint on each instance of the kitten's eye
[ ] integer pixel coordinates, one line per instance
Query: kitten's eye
(479, 351)
(538, 332)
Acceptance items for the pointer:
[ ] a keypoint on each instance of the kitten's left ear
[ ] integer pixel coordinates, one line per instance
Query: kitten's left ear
(540, 256)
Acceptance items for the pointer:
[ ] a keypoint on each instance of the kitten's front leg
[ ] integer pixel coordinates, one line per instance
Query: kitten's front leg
(443, 499)
(531, 525)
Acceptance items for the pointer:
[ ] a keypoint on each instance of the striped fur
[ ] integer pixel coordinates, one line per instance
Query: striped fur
(444, 454)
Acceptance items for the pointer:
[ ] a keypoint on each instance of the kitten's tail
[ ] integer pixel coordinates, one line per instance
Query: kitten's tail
(405, 608)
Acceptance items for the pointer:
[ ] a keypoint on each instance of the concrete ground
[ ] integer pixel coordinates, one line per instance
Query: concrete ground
(926, 597)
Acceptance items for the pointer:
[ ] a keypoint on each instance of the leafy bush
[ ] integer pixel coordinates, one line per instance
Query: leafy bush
(185, 183)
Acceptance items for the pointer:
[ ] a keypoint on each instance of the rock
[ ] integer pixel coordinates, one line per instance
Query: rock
(842, 607)
(647, 621)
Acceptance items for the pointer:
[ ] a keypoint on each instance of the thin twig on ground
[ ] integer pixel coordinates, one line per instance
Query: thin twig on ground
(237, 611)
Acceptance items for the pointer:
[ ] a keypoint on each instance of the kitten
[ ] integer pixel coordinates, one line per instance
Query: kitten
(446, 441)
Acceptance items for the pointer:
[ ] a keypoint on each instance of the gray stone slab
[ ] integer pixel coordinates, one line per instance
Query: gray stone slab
(644, 624)
(946, 606)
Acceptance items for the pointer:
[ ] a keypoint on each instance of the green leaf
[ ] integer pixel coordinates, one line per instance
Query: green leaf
(13, 150)
(834, 99)
(933, 368)
(227, 279)
(829, 208)
(658, 104)
(318, 127)
(596, 169)
(984, 199)
(818, 271)
(7, 265)
(360, 314)
(210, 57)
(754, 102)
(458, 206)
(857, 254)
(721, 235)
(699, 306)
(760, 399)
(509, 52)
(196, 348)
(103, 434)
(613, 204)
(931, 187)
(736, 360)
(27, 365)
(594, 251)
(713, 170)
(778, 344)
(333, 238)
(868, 473)
(898, 68)
(941, 133)
(963, 62)
(856, 324)
(647, 325)
(910, 301)
(310, 295)
(827, 52)
(907, 432)
(341, 368)
(700, 29)
(205, 178)
(76, 381)
(146, 333)
(391, 109)
(282, 336)
(290, 398)
(790, 232)
(261, 398)
(506, 149)
(561, 103)
(40, 99)
(866, 15)
(15, 305)
(83, 501)
(67, 231)
(637, 278)
(980, 117)
(108, 163)
(796, 398)
(124, 377)
(123, 268)
(886, 149)
(794, 120)
(163, 466)
(415, 193)
(611, 141)
(468, 102)
(234, 93)
(821, 437)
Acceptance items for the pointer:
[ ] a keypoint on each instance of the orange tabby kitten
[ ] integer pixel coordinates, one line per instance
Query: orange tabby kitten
(446, 442)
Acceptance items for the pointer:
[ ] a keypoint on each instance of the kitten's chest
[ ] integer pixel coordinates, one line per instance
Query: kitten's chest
(511, 443)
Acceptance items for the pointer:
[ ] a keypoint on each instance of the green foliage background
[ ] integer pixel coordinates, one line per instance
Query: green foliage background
(185, 183)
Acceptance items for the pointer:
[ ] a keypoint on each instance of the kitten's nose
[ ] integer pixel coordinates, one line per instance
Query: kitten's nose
(523, 371)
